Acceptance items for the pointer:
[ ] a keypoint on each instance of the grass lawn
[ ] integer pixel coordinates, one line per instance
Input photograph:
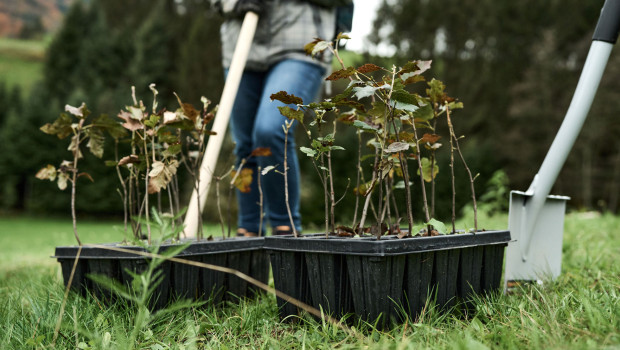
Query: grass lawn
(21, 62)
(579, 310)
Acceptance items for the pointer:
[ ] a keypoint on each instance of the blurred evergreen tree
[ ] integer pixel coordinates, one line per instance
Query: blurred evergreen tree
(102, 49)
(154, 60)
(64, 53)
(515, 65)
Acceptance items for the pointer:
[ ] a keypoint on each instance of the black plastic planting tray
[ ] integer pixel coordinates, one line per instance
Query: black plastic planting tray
(180, 281)
(382, 278)
(386, 246)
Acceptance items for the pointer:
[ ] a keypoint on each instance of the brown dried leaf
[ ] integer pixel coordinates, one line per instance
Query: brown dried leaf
(243, 180)
(286, 98)
(341, 74)
(132, 159)
(430, 138)
(130, 123)
(368, 67)
(208, 118)
(87, 175)
(261, 152)
(188, 109)
(345, 231)
(161, 174)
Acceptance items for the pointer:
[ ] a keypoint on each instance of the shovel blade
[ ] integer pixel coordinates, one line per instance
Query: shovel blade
(536, 255)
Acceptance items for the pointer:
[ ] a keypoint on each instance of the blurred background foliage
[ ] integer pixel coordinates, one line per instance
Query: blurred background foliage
(514, 65)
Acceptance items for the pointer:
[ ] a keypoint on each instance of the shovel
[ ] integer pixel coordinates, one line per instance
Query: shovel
(212, 152)
(536, 219)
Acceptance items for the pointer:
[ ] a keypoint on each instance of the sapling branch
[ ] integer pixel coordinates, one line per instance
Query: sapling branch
(325, 175)
(345, 192)
(359, 174)
(453, 179)
(219, 207)
(123, 186)
(380, 199)
(76, 157)
(146, 194)
(260, 201)
(331, 186)
(433, 159)
(419, 160)
(469, 174)
(287, 127)
(394, 205)
(369, 193)
(405, 169)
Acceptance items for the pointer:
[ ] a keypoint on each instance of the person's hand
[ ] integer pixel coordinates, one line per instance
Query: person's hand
(243, 6)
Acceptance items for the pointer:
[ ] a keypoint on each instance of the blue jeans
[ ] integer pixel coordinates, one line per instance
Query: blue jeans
(256, 122)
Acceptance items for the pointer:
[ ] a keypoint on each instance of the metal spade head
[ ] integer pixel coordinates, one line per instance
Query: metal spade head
(535, 252)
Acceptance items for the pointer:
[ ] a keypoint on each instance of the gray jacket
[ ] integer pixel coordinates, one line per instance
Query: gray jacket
(283, 30)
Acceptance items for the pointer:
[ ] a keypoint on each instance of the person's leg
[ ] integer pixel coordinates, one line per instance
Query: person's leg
(303, 80)
(242, 120)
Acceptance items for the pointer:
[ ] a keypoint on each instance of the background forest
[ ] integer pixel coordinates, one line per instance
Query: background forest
(514, 65)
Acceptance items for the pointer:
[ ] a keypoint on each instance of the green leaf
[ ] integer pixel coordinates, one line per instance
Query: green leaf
(172, 150)
(135, 113)
(292, 114)
(316, 46)
(47, 173)
(424, 112)
(405, 101)
(112, 285)
(428, 173)
(61, 127)
(397, 147)
(400, 185)
(436, 91)
(455, 105)
(319, 47)
(95, 143)
(377, 110)
(342, 36)
(63, 178)
(438, 225)
(343, 96)
(363, 126)
(152, 121)
(165, 136)
(267, 169)
(308, 151)
(367, 91)
(111, 126)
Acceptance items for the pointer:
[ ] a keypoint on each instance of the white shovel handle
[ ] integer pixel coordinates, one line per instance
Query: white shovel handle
(237, 65)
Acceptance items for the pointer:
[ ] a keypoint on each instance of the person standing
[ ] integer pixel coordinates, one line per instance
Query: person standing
(276, 62)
